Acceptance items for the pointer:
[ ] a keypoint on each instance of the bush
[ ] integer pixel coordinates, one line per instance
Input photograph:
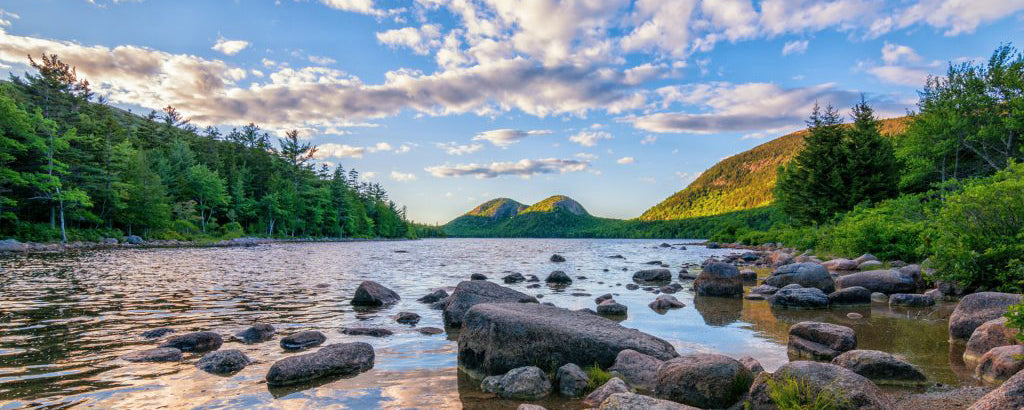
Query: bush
(795, 394)
(979, 233)
(890, 230)
(596, 376)
(232, 230)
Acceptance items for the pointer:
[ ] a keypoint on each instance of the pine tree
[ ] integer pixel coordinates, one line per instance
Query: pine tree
(872, 170)
(811, 189)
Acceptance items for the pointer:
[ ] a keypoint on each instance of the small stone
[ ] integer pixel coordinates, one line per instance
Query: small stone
(559, 278)
(611, 308)
(854, 316)
(514, 277)
(367, 331)
(664, 302)
(430, 330)
(157, 333)
(408, 318)
(879, 297)
(370, 293)
(598, 396)
(260, 332)
(434, 296)
(477, 276)
(160, 354)
(332, 360)
(223, 361)
(572, 381)
(820, 341)
(195, 342)
(557, 258)
(603, 298)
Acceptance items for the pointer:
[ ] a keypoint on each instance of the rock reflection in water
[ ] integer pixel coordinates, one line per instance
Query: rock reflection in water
(718, 311)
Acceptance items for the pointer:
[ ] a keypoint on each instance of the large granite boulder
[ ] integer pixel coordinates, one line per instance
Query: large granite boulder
(341, 359)
(853, 390)
(522, 383)
(865, 258)
(840, 264)
(496, 338)
(652, 275)
(1000, 363)
(703, 380)
(800, 298)
(719, 279)
(820, 341)
(1009, 395)
(303, 340)
(880, 367)
(370, 293)
(978, 308)
(223, 362)
(470, 293)
(854, 295)
(633, 401)
(195, 342)
(805, 274)
(993, 333)
(637, 369)
(885, 281)
(779, 258)
(600, 394)
(572, 380)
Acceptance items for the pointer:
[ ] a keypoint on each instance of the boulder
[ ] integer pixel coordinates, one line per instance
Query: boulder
(805, 274)
(470, 293)
(978, 308)
(840, 264)
(498, 337)
(878, 297)
(719, 279)
(477, 276)
(611, 308)
(665, 302)
(910, 300)
(913, 271)
(752, 364)
(856, 391)
(854, 295)
(157, 333)
(1009, 395)
(800, 298)
(340, 359)
(432, 297)
(880, 367)
(1000, 363)
(260, 332)
(748, 275)
(935, 294)
(160, 354)
(951, 289)
(867, 257)
(195, 342)
(514, 277)
(407, 318)
(370, 293)
(557, 258)
(633, 401)
(367, 331)
(885, 281)
(764, 289)
(133, 239)
(303, 340)
(779, 258)
(603, 298)
(12, 245)
(637, 369)
(632, 286)
(703, 380)
(870, 265)
(430, 330)
(652, 275)
(991, 334)
(820, 341)
(854, 316)
(559, 278)
(600, 394)
(223, 362)
(572, 380)
(522, 383)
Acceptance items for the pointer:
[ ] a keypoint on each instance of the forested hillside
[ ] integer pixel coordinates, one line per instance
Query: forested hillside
(74, 168)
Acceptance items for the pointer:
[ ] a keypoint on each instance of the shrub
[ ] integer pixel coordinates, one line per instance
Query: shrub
(232, 230)
(890, 230)
(794, 394)
(596, 376)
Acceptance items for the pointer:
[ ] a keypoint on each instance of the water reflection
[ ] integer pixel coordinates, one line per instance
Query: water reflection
(718, 311)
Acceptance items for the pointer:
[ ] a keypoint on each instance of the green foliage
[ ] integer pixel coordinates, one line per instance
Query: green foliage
(891, 230)
(596, 376)
(791, 393)
(1015, 320)
(232, 230)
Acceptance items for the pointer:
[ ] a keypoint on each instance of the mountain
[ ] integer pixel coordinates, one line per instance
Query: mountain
(497, 209)
(555, 216)
(742, 181)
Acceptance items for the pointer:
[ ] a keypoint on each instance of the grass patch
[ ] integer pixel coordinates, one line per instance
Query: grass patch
(795, 394)
(596, 376)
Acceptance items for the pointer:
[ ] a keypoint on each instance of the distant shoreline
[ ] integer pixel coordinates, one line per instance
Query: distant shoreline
(57, 247)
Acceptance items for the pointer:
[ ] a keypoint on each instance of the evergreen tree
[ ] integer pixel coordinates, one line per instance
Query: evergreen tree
(812, 188)
(872, 170)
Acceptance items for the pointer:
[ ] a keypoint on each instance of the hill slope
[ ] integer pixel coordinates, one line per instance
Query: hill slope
(556, 216)
(742, 181)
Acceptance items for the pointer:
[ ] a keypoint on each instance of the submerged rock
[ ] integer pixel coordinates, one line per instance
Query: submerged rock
(470, 293)
(851, 388)
(370, 293)
(978, 308)
(603, 298)
(665, 302)
(499, 337)
(514, 277)
(157, 333)
(880, 367)
(820, 341)
(885, 281)
(572, 381)
(160, 354)
(638, 369)
(340, 359)
(260, 332)
(523, 383)
(223, 361)
(766, 290)
(805, 274)
(703, 380)
(910, 300)
(303, 340)
(719, 279)
(367, 331)
(434, 296)
(477, 276)
(430, 330)
(558, 278)
(652, 275)
(854, 295)
(407, 318)
(195, 342)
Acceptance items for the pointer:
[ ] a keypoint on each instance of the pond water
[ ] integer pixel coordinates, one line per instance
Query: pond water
(65, 320)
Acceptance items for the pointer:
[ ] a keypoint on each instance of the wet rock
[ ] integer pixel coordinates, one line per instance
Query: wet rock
(498, 337)
(532, 278)
(1009, 395)
(854, 295)
(303, 340)
(951, 289)
(439, 305)
(897, 264)
(671, 288)
(637, 369)
(260, 332)
(665, 245)
(750, 256)
(223, 362)
(752, 364)
(664, 302)
(719, 279)
(800, 298)
(340, 359)
(430, 330)
(616, 257)
(633, 401)
(991, 334)
(514, 277)
(978, 308)
(653, 263)
(840, 264)
(611, 308)
(195, 342)
(470, 293)
(367, 331)
(603, 298)
(764, 289)
(870, 265)
(434, 296)
(632, 286)
(598, 396)
(879, 297)
(160, 354)
(913, 271)
(588, 311)
(805, 274)
(407, 318)
(755, 296)
(652, 275)
(820, 341)
(370, 293)
(703, 380)
(533, 286)
(1000, 363)
(579, 294)
(884, 281)
(572, 381)
(748, 275)
(522, 383)
(157, 333)
(557, 258)
(880, 367)
(477, 276)
(558, 278)
(910, 300)
(851, 388)
(12, 245)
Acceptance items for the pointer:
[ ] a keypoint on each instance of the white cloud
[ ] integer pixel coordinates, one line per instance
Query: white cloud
(626, 160)
(648, 140)
(795, 47)
(344, 150)
(402, 176)
(586, 156)
(902, 66)
(6, 17)
(507, 136)
(320, 60)
(524, 168)
(589, 138)
(230, 47)
(452, 148)
(355, 6)
(421, 40)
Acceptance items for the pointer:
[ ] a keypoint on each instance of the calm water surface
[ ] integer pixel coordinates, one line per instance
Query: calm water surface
(66, 319)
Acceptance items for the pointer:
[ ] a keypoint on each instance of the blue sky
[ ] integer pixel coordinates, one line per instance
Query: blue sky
(617, 103)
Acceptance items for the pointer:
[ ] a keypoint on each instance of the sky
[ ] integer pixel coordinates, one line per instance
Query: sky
(616, 103)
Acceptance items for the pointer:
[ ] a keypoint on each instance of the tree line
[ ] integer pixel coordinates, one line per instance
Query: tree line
(74, 168)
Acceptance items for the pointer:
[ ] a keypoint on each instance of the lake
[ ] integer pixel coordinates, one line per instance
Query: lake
(65, 320)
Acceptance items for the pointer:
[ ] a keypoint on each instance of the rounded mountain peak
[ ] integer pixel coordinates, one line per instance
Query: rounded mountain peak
(557, 202)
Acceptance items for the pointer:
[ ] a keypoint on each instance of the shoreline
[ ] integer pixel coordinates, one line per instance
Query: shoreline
(15, 248)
